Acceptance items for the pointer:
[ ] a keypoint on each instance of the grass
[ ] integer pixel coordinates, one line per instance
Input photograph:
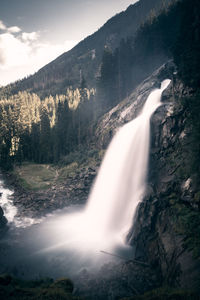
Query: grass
(36, 176)
(68, 170)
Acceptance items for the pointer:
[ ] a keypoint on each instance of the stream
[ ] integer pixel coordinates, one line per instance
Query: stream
(10, 210)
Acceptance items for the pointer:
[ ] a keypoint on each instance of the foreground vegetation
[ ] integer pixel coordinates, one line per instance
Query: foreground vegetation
(43, 289)
(62, 289)
(166, 294)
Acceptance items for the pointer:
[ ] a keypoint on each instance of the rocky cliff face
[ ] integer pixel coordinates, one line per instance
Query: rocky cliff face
(130, 107)
(160, 234)
(160, 230)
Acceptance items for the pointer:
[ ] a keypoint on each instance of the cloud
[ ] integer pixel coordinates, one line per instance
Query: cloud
(23, 54)
(2, 26)
(31, 36)
(13, 29)
(13, 50)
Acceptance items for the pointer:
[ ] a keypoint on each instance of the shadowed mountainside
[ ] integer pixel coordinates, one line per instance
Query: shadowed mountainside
(85, 58)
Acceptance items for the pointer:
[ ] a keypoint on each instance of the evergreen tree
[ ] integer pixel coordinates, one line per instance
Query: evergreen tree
(107, 83)
(62, 145)
(45, 137)
(35, 142)
(123, 57)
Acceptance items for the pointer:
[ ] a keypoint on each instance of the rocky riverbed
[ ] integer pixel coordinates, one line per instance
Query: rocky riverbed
(71, 191)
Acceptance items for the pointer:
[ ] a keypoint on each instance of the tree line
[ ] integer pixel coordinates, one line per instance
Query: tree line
(42, 130)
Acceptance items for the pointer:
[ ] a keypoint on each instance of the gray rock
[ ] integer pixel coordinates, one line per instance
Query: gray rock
(3, 222)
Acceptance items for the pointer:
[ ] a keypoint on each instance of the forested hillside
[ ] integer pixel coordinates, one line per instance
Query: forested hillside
(43, 130)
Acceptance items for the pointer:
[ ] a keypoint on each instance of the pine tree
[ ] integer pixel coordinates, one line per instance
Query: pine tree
(107, 83)
(45, 137)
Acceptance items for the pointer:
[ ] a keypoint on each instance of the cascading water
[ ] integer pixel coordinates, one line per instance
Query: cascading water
(10, 210)
(118, 188)
(120, 184)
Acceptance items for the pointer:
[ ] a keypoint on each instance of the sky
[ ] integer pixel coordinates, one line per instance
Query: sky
(35, 32)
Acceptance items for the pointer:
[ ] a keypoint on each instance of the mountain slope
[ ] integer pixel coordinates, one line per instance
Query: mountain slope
(85, 58)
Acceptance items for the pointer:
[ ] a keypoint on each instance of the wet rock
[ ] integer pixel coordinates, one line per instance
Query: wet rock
(116, 281)
(1, 212)
(3, 222)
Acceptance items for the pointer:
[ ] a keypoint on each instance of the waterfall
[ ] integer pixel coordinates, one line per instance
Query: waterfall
(118, 188)
(120, 184)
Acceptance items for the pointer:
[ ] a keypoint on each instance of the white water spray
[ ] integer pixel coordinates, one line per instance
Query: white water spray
(10, 210)
(119, 187)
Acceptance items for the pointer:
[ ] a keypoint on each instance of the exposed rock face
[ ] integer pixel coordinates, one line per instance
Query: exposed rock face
(130, 107)
(155, 234)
